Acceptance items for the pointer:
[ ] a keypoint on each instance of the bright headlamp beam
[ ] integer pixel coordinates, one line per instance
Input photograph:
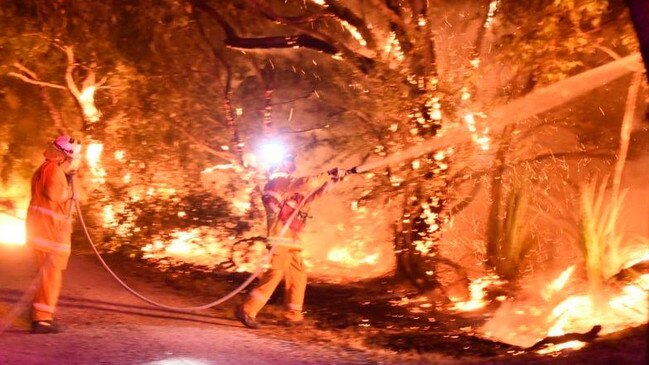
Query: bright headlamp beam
(272, 153)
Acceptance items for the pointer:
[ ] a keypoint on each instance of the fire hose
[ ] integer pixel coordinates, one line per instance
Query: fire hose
(221, 300)
(28, 294)
(23, 302)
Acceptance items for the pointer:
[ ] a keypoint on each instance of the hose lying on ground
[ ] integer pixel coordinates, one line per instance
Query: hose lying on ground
(221, 300)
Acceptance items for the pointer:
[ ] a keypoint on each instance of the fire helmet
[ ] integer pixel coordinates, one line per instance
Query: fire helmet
(71, 147)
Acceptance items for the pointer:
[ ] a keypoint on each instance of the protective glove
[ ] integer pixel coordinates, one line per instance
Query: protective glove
(351, 171)
(336, 174)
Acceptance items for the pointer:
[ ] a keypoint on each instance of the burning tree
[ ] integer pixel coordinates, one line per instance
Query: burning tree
(397, 96)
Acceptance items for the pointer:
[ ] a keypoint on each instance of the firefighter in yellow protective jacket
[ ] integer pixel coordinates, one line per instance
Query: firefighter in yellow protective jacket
(49, 226)
(282, 195)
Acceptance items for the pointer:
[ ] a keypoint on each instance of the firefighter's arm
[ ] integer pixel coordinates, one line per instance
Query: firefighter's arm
(57, 188)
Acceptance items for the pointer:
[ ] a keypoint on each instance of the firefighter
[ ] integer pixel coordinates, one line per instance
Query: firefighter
(49, 226)
(282, 195)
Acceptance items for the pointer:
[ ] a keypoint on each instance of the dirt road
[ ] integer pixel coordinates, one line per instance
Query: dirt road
(106, 325)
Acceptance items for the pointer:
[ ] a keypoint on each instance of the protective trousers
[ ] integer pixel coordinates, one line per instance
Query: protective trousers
(286, 264)
(51, 266)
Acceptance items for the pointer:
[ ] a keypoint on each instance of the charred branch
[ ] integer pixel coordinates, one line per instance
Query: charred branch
(589, 336)
(309, 38)
(291, 41)
(631, 273)
(343, 14)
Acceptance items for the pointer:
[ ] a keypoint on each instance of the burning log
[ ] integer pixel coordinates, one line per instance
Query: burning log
(589, 336)
(631, 273)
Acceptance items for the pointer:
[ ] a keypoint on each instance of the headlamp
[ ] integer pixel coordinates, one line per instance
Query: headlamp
(273, 153)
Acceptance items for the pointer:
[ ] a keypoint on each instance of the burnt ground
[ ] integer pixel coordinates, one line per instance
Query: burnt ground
(355, 323)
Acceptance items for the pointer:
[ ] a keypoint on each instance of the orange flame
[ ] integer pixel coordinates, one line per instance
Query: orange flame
(557, 284)
(12, 230)
(87, 102)
(550, 349)
(477, 290)
(12, 221)
(93, 156)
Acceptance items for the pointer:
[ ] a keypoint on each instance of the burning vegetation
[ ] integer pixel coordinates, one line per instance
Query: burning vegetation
(492, 189)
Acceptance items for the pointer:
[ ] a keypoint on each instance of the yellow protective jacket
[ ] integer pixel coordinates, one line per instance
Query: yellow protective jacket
(280, 190)
(49, 223)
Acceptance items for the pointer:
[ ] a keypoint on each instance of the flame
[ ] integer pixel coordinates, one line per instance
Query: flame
(93, 157)
(119, 155)
(204, 246)
(574, 345)
(12, 218)
(354, 32)
(526, 322)
(393, 47)
(109, 216)
(343, 256)
(557, 284)
(182, 243)
(493, 6)
(477, 290)
(12, 230)
(87, 102)
(480, 138)
(642, 256)
(469, 119)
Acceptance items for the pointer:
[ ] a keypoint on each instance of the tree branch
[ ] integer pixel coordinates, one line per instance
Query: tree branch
(72, 86)
(343, 14)
(390, 14)
(308, 39)
(292, 41)
(305, 96)
(35, 82)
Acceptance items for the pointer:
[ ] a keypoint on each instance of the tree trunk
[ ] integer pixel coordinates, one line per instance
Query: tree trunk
(496, 195)
(639, 10)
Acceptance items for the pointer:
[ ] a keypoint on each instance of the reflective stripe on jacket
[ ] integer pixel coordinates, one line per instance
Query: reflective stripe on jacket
(49, 225)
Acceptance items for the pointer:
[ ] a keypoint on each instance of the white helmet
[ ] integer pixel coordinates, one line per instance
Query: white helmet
(70, 146)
